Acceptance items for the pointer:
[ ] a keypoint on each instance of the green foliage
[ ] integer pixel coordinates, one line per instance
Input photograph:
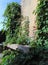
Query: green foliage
(42, 22)
(23, 39)
(12, 16)
(13, 10)
(36, 56)
(14, 30)
(2, 36)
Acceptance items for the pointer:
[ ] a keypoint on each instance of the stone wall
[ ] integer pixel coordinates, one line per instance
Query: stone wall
(27, 8)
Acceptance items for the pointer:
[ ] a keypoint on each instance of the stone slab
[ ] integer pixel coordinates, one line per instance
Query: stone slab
(24, 48)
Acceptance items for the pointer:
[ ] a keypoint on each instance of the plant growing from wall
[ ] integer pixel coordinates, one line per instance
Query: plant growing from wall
(42, 22)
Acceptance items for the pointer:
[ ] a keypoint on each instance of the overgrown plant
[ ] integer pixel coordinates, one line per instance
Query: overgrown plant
(36, 56)
(42, 22)
(13, 26)
(12, 17)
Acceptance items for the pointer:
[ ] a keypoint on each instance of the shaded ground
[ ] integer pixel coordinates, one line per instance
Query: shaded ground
(1, 55)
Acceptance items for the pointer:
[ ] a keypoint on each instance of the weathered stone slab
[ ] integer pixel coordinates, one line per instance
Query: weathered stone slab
(24, 48)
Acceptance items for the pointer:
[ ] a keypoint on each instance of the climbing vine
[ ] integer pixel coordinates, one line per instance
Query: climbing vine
(12, 23)
(42, 22)
(36, 56)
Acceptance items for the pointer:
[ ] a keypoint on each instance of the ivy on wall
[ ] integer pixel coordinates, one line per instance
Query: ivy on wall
(36, 56)
(42, 22)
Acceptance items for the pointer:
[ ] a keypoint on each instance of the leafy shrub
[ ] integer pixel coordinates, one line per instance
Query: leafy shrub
(14, 34)
(36, 56)
(12, 17)
(42, 22)
(23, 39)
